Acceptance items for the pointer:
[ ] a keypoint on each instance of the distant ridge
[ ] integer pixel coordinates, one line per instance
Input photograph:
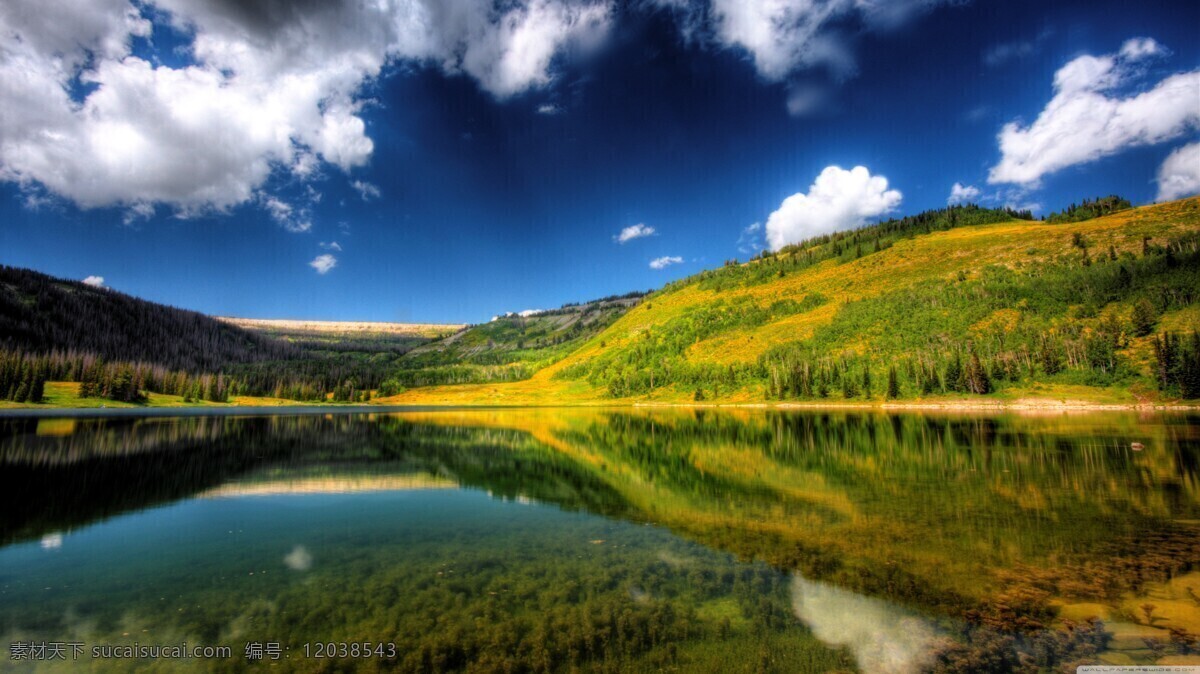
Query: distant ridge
(343, 327)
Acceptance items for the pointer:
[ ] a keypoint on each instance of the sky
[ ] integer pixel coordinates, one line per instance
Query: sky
(450, 160)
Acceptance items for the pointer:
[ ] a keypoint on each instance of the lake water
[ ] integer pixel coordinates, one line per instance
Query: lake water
(600, 540)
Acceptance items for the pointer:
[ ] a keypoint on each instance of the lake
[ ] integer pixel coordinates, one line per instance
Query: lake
(606, 540)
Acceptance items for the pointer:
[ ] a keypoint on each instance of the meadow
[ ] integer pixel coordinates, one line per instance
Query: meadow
(1029, 309)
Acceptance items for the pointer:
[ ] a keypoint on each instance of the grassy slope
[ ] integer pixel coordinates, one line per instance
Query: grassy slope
(938, 257)
(510, 347)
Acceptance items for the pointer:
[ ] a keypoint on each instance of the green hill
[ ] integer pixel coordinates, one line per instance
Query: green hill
(41, 313)
(958, 304)
(946, 304)
(510, 347)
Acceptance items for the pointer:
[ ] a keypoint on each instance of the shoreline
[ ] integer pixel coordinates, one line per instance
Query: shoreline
(1023, 405)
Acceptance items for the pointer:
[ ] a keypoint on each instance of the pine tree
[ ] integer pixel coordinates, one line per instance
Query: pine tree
(1048, 356)
(1143, 317)
(893, 384)
(954, 375)
(977, 380)
(1165, 360)
(38, 390)
(1189, 379)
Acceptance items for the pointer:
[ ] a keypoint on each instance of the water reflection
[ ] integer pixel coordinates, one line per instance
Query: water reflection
(899, 542)
(883, 637)
(299, 559)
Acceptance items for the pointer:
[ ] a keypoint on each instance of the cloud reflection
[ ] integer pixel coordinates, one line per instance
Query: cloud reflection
(299, 559)
(883, 638)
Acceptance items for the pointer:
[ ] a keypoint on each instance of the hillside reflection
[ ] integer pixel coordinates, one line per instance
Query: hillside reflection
(908, 536)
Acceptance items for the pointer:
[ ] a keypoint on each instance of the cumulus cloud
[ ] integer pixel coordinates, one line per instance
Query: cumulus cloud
(633, 232)
(1179, 175)
(548, 109)
(323, 263)
(94, 281)
(838, 199)
(783, 36)
(1088, 118)
(514, 54)
(961, 194)
(332, 245)
(665, 261)
(270, 86)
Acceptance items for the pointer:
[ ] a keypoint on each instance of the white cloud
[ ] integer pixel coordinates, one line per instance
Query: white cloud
(514, 54)
(780, 36)
(1086, 120)
(138, 211)
(323, 263)
(289, 217)
(272, 86)
(634, 232)
(94, 281)
(961, 194)
(332, 245)
(838, 199)
(750, 240)
(1031, 206)
(365, 190)
(783, 36)
(1179, 175)
(1141, 47)
(665, 261)
(548, 109)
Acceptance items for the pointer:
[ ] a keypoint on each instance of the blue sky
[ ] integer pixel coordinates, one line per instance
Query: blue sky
(471, 162)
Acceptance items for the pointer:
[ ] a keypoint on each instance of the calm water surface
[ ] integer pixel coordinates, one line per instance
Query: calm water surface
(600, 540)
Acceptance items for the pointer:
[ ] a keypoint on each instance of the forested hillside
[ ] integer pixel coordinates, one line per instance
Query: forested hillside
(40, 313)
(959, 301)
(119, 347)
(510, 347)
(343, 357)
